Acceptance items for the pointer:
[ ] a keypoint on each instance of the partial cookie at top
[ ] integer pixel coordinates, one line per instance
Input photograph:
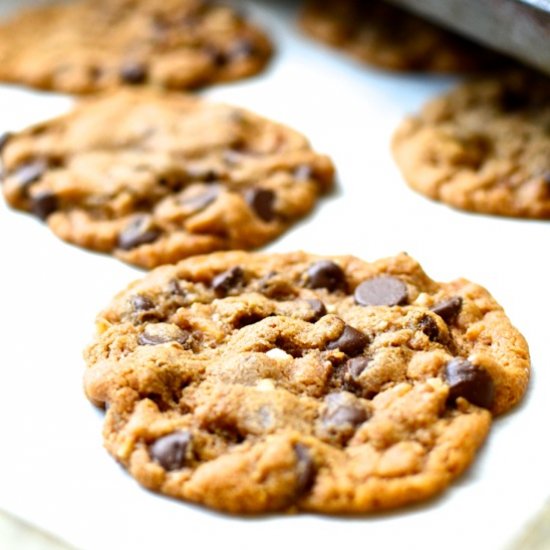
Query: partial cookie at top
(257, 382)
(483, 147)
(92, 45)
(154, 177)
(388, 37)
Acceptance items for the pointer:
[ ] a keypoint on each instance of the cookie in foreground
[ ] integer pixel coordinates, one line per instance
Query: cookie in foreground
(92, 45)
(386, 36)
(254, 383)
(483, 147)
(153, 177)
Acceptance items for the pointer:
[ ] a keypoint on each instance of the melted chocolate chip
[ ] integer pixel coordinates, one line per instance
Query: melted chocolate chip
(29, 173)
(381, 291)
(513, 100)
(228, 280)
(429, 327)
(351, 342)
(174, 288)
(340, 413)
(262, 202)
(469, 381)
(133, 72)
(305, 469)
(319, 309)
(449, 309)
(163, 333)
(326, 274)
(171, 451)
(142, 303)
(141, 230)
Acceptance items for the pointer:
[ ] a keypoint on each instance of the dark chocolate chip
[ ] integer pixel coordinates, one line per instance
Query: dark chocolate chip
(546, 178)
(141, 230)
(43, 204)
(351, 342)
(326, 274)
(449, 309)
(429, 327)
(469, 381)
(163, 333)
(381, 291)
(133, 72)
(339, 413)
(171, 451)
(305, 469)
(228, 280)
(319, 309)
(262, 202)
(29, 173)
(4, 138)
(174, 288)
(142, 303)
(354, 367)
(201, 200)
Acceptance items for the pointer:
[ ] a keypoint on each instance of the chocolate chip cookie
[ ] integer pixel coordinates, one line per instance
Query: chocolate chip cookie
(483, 147)
(252, 383)
(154, 177)
(388, 37)
(93, 45)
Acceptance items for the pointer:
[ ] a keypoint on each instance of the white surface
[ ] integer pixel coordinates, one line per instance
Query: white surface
(53, 469)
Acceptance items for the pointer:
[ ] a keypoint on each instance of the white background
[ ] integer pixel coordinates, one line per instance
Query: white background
(53, 469)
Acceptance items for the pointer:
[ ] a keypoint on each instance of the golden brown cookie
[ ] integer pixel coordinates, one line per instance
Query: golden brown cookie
(154, 177)
(484, 147)
(383, 35)
(91, 45)
(253, 383)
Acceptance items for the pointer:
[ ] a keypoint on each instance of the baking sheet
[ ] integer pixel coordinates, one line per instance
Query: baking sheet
(54, 472)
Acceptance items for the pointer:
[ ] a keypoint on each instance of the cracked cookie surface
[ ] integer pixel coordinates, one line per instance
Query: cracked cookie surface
(154, 177)
(252, 383)
(93, 45)
(386, 36)
(483, 147)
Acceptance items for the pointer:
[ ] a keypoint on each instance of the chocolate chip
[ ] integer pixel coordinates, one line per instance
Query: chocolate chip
(449, 309)
(429, 327)
(4, 138)
(381, 291)
(513, 100)
(226, 281)
(174, 288)
(354, 367)
(171, 451)
(141, 230)
(163, 333)
(326, 274)
(305, 469)
(142, 303)
(29, 173)
(200, 201)
(133, 72)
(319, 309)
(340, 413)
(43, 204)
(469, 381)
(351, 342)
(262, 202)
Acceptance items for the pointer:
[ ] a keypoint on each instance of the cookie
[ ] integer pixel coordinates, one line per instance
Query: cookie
(252, 383)
(153, 177)
(94, 45)
(383, 35)
(483, 147)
